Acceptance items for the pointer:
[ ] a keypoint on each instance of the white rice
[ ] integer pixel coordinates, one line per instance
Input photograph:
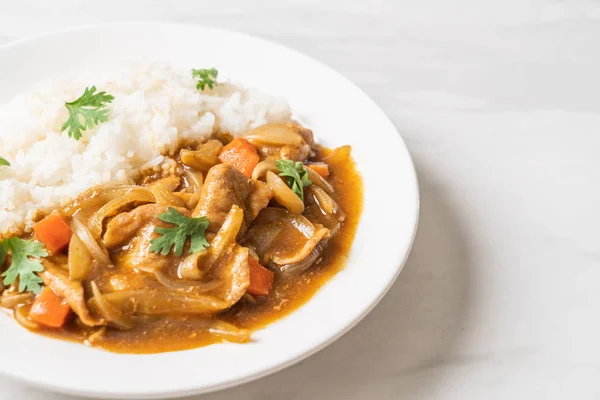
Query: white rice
(155, 107)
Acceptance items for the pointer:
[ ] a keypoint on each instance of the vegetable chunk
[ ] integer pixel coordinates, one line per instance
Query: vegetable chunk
(241, 155)
(49, 309)
(261, 279)
(54, 232)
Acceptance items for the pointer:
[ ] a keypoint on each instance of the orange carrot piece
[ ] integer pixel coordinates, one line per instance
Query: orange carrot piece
(54, 232)
(261, 279)
(49, 309)
(241, 155)
(320, 168)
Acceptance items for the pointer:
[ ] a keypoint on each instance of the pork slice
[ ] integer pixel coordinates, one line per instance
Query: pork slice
(224, 187)
(133, 231)
(70, 290)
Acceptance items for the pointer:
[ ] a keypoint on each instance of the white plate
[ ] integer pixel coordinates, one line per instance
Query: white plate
(337, 111)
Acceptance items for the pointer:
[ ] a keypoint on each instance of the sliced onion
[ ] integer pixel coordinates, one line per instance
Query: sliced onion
(107, 311)
(283, 194)
(325, 202)
(307, 261)
(195, 286)
(80, 260)
(204, 158)
(190, 200)
(164, 196)
(21, 315)
(318, 180)
(188, 269)
(13, 299)
(228, 332)
(156, 302)
(262, 167)
(98, 253)
(304, 252)
(274, 135)
(228, 232)
(195, 179)
(95, 197)
(138, 194)
(171, 183)
(193, 201)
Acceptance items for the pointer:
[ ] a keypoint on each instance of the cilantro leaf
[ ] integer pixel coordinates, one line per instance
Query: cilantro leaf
(206, 77)
(86, 112)
(25, 263)
(4, 161)
(193, 228)
(298, 176)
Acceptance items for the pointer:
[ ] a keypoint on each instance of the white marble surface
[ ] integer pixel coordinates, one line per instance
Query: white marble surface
(499, 103)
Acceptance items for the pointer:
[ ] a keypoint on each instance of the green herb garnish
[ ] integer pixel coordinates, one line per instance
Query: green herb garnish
(193, 228)
(86, 112)
(206, 77)
(4, 162)
(25, 263)
(298, 177)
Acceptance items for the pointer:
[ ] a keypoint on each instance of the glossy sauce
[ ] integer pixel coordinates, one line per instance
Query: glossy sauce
(290, 291)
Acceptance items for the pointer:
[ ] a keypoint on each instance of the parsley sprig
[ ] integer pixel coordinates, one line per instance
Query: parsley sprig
(25, 263)
(297, 174)
(86, 112)
(4, 162)
(206, 77)
(186, 227)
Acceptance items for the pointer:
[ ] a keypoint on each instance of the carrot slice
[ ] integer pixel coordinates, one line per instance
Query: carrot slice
(320, 168)
(49, 309)
(261, 279)
(241, 155)
(54, 232)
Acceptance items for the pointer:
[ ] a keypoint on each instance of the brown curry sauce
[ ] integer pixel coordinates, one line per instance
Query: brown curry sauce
(290, 291)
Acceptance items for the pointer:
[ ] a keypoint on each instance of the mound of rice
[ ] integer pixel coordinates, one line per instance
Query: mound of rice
(155, 107)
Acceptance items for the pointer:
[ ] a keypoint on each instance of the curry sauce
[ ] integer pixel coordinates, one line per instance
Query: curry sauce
(289, 291)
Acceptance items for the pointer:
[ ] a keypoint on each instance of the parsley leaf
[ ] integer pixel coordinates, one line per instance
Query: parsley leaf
(193, 228)
(297, 174)
(25, 263)
(4, 161)
(86, 112)
(206, 77)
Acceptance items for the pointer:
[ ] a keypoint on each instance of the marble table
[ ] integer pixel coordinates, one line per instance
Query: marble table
(499, 103)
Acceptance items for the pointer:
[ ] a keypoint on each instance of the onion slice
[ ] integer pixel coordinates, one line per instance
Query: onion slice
(228, 332)
(318, 180)
(12, 299)
(225, 238)
(79, 259)
(194, 179)
(262, 167)
(274, 135)
(95, 197)
(283, 194)
(195, 286)
(164, 196)
(21, 315)
(188, 269)
(157, 302)
(138, 194)
(98, 253)
(107, 311)
(325, 202)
